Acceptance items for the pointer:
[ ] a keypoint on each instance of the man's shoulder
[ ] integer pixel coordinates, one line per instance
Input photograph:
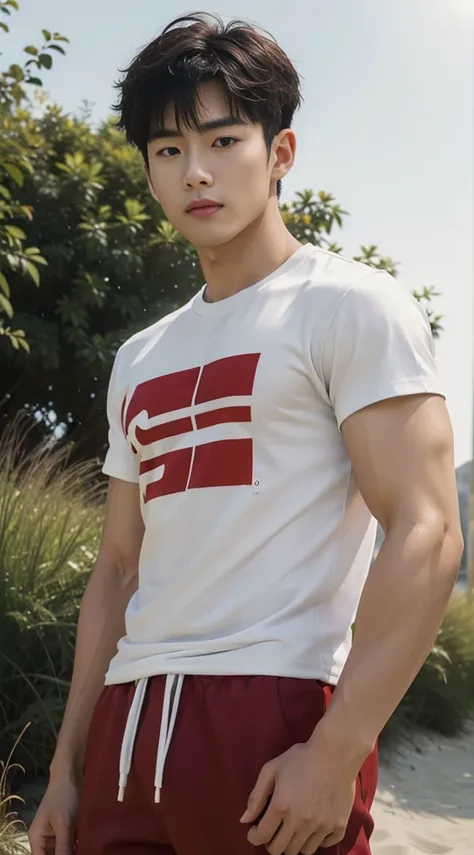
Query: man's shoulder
(361, 288)
(332, 274)
(330, 278)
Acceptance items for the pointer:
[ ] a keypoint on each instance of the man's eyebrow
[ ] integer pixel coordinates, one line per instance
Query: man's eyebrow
(213, 125)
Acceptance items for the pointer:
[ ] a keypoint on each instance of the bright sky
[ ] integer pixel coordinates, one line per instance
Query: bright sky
(387, 127)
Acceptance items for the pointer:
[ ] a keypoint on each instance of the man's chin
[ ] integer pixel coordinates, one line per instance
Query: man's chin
(211, 240)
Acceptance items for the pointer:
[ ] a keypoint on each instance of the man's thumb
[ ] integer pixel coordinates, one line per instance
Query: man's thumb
(260, 795)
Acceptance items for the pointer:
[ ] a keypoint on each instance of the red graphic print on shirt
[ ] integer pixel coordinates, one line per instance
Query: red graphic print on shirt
(221, 463)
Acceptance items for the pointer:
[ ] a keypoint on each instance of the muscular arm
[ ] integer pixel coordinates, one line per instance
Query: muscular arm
(402, 455)
(101, 621)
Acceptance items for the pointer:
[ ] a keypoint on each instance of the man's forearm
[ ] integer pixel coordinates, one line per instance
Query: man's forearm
(400, 612)
(101, 624)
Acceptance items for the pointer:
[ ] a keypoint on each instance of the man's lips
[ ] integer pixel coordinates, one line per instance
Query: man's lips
(203, 208)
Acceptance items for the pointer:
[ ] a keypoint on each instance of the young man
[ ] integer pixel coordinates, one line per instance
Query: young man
(256, 435)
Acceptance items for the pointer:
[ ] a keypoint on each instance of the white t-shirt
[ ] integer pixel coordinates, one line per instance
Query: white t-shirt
(257, 541)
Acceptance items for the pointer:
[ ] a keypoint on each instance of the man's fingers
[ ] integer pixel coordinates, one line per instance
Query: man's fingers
(261, 793)
(333, 839)
(271, 823)
(63, 841)
(312, 844)
(51, 844)
(39, 844)
(280, 840)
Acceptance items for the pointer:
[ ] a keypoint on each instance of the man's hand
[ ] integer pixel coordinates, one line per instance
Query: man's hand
(309, 805)
(53, 828)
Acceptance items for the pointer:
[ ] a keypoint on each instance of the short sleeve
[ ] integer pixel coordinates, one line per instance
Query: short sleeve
(120, 461)
(379, 346)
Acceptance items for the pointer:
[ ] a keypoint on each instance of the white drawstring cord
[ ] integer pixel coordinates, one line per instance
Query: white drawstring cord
(129, 735)
(173, 687)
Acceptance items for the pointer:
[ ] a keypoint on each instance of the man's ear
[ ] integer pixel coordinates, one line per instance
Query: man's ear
(150, 184)
(283, 153)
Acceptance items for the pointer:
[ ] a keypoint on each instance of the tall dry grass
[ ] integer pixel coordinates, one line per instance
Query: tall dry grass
(50, 521)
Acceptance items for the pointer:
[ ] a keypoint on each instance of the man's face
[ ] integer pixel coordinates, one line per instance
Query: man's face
(227, 165)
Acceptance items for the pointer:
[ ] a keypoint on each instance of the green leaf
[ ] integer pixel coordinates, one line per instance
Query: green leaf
(59, 38)
(15, 232)
(46, 60)
(33, 271)
(14, 4)
(6, 306)
(16, 72)
(4, 285)
(21, 341)
(134, 210)
(74, 160)
(47, 35)
(35, 81)
(18, 339)
(59, 49)
(14, 173)
(5, 192)
(4, 27)
(26, 165)
(32, 50)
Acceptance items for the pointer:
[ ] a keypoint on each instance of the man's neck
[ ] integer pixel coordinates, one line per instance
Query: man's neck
(250, 257)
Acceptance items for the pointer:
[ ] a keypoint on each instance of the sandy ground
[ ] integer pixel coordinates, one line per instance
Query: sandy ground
(425, 802)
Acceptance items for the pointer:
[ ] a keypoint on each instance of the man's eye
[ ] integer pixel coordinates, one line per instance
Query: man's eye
(225, 142)
(169, 151)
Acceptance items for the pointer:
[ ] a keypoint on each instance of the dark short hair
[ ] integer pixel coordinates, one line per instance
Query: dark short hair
(259, 81)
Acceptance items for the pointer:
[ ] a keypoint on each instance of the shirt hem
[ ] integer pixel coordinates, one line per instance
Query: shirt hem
(122, 475)
(421, 385)
(135, 672)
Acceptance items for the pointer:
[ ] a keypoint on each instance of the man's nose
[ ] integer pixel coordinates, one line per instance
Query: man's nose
(196, 175)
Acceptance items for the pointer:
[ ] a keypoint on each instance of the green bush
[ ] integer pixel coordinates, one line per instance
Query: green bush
(441, 699)
(50, 520)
